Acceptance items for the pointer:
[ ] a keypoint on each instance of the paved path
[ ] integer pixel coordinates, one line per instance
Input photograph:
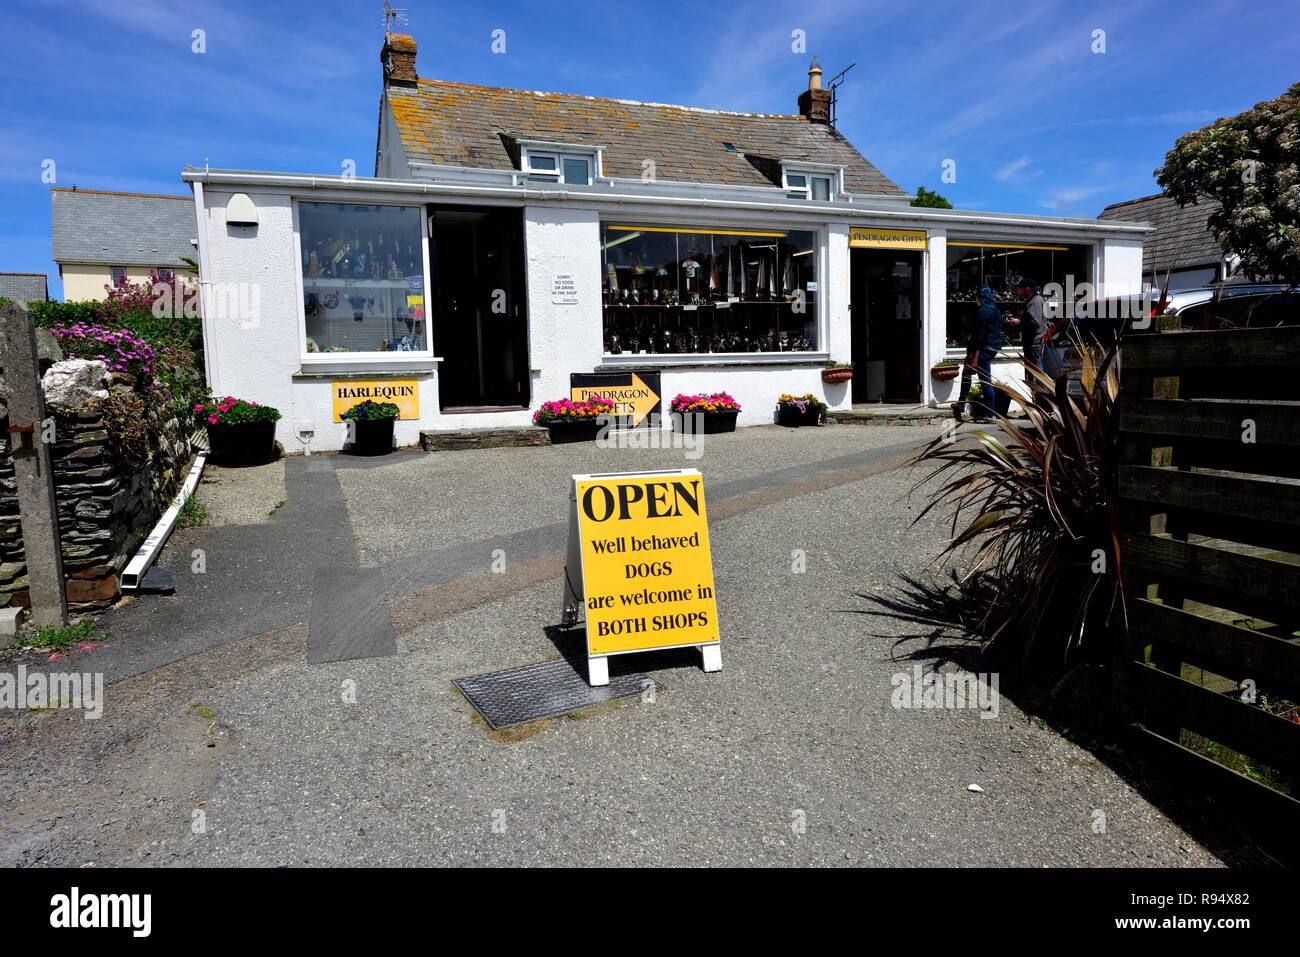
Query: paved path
(217, 721)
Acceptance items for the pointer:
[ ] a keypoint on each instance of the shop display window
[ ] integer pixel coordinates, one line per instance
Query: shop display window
(1000, 265)
(363, 278)
(691, 290)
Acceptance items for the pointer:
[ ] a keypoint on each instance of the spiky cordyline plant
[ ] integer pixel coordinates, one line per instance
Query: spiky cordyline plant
(1038, 505)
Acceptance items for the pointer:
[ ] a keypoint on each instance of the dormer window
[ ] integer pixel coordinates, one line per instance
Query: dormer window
(807, 184)
(544, 166)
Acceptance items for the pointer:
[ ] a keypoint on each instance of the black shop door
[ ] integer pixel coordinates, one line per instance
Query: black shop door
(480, 318)
(885, 313)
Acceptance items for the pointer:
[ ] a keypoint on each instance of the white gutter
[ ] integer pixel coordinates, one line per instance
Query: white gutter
(299, 181)
(209, 340)
(135, 570)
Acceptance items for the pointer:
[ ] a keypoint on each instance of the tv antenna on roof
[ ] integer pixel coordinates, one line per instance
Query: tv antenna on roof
(833, 85)
(393, 16)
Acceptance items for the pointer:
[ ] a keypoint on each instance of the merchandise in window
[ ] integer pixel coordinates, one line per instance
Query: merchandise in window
(691, 290)
(363, 278)
(1000, 266)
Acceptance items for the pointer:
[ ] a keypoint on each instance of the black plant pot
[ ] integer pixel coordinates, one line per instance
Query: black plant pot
(707, 423)
(790, 415)
(372, 436)
(247, 443)
(583, 430)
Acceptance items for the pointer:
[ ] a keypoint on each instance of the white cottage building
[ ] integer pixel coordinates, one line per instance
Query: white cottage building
(511, 239)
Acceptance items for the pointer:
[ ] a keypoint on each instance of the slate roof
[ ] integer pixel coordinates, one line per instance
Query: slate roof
(121, 229)
(462, 124)
(24, 286)
(1181, 238)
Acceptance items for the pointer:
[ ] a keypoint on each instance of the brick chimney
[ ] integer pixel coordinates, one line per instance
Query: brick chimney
(814, 102)
(398, 57)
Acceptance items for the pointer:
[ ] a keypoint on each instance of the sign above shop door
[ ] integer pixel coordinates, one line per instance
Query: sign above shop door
(869, 237)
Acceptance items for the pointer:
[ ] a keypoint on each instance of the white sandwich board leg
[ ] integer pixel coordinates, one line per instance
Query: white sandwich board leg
(712, 655)
(598, 671)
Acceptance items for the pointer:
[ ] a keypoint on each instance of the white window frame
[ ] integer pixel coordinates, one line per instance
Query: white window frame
(528, 153)
(808, 174)
(360, 358)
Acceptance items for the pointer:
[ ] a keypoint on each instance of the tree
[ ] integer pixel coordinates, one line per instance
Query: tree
(925, 197)
(1250, 163)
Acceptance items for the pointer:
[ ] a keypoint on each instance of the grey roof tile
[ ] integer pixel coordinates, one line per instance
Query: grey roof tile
(121, 229)
(1181, 238)
(463, 124)
(24, 286)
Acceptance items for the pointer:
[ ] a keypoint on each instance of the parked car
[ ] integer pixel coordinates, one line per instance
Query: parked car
(1225, 306)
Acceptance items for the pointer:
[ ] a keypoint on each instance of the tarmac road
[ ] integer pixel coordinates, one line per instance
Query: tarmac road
(222, 744)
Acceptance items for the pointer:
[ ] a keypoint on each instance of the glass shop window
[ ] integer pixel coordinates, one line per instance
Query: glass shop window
(1001, 266)
(691, 290)
(363, 278)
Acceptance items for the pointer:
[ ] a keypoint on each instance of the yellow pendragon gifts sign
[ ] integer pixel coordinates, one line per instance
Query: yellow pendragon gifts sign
(870, 237)
(640, 567)
(404, 393)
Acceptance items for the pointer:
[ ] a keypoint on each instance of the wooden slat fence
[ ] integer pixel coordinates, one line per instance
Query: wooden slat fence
(1209, 674)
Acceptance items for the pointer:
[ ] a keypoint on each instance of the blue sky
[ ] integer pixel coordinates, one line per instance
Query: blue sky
(1013, 93)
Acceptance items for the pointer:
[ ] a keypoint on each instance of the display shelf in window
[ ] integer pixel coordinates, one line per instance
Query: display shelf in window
(363, 278)
(690, 290)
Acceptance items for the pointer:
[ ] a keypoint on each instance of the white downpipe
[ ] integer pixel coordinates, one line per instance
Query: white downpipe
(136, 568)
(209, 340)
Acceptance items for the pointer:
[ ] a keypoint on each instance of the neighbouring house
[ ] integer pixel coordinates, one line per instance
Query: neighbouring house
(102, 238)
(511, 239)
(24, 286)
(1181, 247)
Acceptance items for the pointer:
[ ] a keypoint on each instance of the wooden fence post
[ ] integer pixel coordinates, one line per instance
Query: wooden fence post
(29, 447)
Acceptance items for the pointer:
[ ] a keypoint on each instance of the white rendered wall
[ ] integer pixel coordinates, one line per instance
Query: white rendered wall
(260, 358)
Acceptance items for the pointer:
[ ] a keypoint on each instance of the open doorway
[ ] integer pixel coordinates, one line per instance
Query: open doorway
(480, 321)
(885, 312)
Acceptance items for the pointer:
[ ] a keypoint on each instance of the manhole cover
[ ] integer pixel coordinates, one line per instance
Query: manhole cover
(544, 690)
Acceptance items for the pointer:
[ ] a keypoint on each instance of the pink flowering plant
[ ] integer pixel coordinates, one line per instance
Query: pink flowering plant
(801, 402)
(560, 411)
(119, 349)
(712, 402)
(232, 411)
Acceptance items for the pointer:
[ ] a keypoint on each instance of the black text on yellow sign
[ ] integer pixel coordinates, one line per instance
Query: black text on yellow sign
(647, 572)
(635, 396)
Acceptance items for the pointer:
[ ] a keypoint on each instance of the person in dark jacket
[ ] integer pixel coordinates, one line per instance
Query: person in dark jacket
(983, 340)
(1030, 323)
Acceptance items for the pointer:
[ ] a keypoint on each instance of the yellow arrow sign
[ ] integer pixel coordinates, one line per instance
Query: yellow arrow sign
(633, 400)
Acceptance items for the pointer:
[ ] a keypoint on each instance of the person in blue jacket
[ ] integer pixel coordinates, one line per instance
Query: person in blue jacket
(983, 340)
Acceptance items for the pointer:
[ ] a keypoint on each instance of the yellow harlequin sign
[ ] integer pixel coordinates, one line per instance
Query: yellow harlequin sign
(639, 565)
(404, 393)
(872, 238)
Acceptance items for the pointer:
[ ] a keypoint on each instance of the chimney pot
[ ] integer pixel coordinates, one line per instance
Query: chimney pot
(398, 58)
(814, 102)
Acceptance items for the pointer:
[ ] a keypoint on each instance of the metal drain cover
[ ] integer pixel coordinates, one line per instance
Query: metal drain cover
(544, 690)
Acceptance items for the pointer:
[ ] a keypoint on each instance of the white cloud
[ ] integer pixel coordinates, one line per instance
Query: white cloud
(1017, 171)
(1068, 196)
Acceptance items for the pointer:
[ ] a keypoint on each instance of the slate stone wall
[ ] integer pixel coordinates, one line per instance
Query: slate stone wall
(106, 506)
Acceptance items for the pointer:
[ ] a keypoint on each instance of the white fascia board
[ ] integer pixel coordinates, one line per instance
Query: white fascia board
(623, 192)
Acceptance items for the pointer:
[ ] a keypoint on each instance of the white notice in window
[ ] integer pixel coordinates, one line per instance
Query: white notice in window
(564, 289)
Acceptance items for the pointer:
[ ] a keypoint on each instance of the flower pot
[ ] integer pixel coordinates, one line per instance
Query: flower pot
(245, 443)
(372, 436)
(836, 375)
(579, 430)
(791, 415)
(944, 373)
(706, 423)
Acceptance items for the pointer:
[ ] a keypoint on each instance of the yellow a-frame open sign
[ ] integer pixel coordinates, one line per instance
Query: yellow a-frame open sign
(639, 566)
